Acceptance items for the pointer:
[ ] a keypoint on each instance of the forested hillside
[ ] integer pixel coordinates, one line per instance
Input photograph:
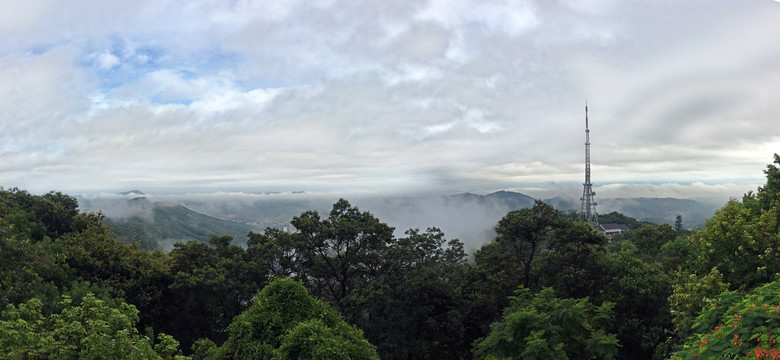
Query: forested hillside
(162, 224)
(346, 287)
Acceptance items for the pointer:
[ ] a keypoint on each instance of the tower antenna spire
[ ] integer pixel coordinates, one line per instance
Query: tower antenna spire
(588, 195)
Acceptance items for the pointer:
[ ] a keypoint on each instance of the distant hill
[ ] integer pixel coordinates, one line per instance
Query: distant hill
(655, 210)
(661, 210)
(163, 223)
(562, 203)
(504, 199)
(469, 217)
(260, 214)
(472, 217)
(510, 200)
(131, 192)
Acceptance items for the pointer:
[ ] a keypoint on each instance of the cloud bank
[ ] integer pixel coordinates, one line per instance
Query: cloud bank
(385, 96)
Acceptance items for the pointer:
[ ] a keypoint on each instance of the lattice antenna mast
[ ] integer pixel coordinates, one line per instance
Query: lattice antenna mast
(588, 200)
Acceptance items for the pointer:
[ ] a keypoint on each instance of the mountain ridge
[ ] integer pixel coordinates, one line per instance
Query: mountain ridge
(467, 216)
(164, 223)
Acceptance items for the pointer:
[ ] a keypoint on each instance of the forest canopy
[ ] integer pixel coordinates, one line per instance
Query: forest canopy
(345, 286)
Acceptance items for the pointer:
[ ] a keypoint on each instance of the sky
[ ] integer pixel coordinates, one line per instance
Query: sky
(389, 96)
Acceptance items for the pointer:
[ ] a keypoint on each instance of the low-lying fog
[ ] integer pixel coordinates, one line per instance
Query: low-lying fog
(468, 217)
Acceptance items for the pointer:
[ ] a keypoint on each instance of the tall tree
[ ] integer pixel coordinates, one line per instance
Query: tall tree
(525, 231)
(573, 262)
(212, 283)
(413, 310)
(405, 293)
(274, 251)
(740, 243)
(769, 194)
(340, 253)
(678, 224)
(640, 292)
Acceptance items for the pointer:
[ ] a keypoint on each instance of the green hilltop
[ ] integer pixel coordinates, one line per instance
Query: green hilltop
(164, 223)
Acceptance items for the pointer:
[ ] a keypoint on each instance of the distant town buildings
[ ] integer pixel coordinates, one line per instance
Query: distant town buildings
(262, 224)
(611, 229)
(283, 226)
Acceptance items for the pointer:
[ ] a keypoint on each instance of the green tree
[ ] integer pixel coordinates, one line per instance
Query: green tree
(678, 254)
(32, 265)
(414, 309)
(487, 288)
(769, 194)
(140, 277)
(650, 238)
(567, 256)
(573, 263)
(741, 244)
(640, 292)
(525, 231)
(735, 326)
(55, 211)
(341, 253)
(212, 283)
(678, 225)
(21, 223)
(90, 330)
(274, 251)
(405, 293)
(28, 269)
(542, 326)
(690, 295)
(741, 240)
(312, 339)
(285, 322)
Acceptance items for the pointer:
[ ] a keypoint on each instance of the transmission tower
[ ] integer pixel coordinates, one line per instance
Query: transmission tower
(588, 200)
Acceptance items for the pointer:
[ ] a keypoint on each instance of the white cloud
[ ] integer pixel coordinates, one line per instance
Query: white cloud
(19, 16)
(39, 95)
(511, 16)
(106, 60)
(441, 95)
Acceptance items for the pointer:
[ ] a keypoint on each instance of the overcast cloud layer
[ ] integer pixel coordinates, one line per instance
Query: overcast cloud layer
(449, 95)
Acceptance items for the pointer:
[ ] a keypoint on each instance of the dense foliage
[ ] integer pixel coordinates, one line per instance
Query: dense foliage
(90, 330)
(738, 326)
(344, 286)
(286, 322)
(542, 326)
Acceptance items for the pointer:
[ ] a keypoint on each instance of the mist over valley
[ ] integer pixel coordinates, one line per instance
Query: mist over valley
(167, 218)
